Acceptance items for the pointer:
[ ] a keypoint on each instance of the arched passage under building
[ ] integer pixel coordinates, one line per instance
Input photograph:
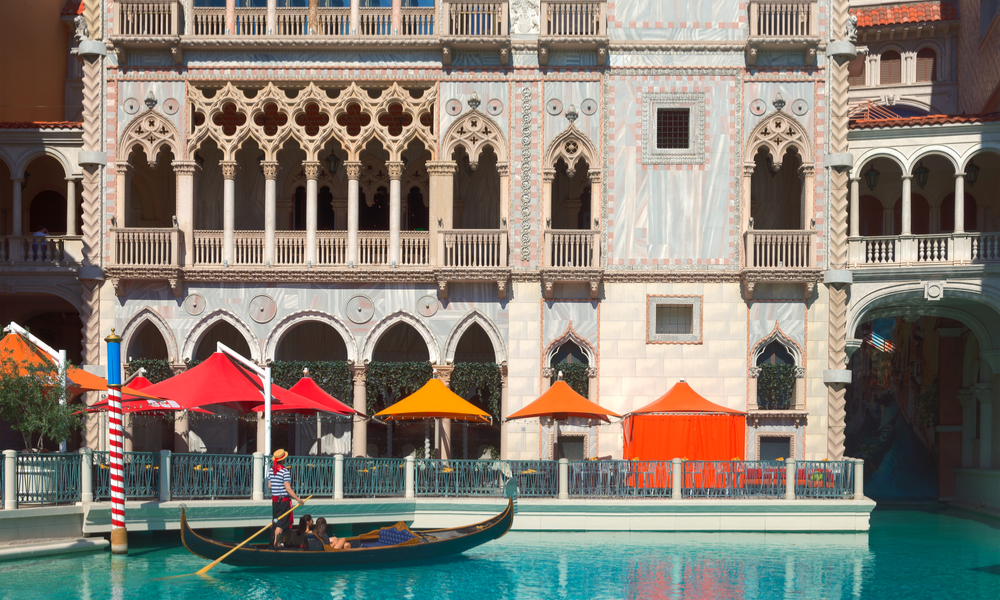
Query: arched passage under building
(400, 343)
(476, 441)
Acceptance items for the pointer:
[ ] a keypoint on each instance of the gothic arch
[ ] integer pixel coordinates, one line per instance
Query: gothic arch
(400, 316)
(148, 314)
(777, 335)
(191, 342)
(777, 133)
(474, 131)
(572, 146)
(150, 131)
(288, 323)
(570, 335)
(474, 316)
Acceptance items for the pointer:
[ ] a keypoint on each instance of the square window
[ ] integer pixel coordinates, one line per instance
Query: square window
(774, 447)
(673, 320)
(672, 128)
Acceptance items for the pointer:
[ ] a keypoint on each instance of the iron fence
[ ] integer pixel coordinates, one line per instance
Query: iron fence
(374, 477)
(142, 475)
(535, 478)
(733, 479)
(211, 476)
(48, 478)
(824, 479)
(311, 475)
(620, 479)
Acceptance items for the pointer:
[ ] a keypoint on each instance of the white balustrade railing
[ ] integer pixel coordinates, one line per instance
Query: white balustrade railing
(416, 22)
(331, 248)
(251, 22)
(144, 247)
(566, 18)
(248, 248)
(414, 248)
(208, 22)
(208, 248)
(934, 248)
(984, 247)
(880, 250)
(375, 22)
(334, 21)
(474, 247)
(147, 18)
(473, 19)
(292, 21)
(783, 19)
(568, 248)
(940, 248)
(36, 250)
(780, 249)
(373, 248)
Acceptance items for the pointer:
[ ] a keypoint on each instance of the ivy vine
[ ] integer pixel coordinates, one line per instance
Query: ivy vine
(389, 382)
(157, 369)
(482, 379)
(775, 386)
(575, 375)
(334, 377)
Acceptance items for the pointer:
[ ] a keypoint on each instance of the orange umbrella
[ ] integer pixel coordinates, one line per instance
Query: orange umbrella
(435, 401)
(561, 402)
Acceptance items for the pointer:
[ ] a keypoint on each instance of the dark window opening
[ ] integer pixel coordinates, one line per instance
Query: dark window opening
(673, 128)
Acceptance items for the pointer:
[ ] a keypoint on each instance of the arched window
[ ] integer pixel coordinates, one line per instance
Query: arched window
(890, 68)
(856, 71)
(927, 65)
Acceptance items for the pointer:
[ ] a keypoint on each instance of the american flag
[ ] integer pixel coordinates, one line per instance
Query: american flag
(880, 343)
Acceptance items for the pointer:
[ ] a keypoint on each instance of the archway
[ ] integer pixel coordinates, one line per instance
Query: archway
(475, 356)
(477, 190)
(43, 198)
(151, 191)
(221, 331)
(776, 191)
(311, 341)
(47, 210)
(400, 354)
(147, 342)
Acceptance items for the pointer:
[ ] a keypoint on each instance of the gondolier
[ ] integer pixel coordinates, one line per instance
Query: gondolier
(280, 483)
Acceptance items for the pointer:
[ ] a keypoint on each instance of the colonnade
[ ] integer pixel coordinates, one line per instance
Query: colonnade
(17, 221)
(272, 18)
(906, 222)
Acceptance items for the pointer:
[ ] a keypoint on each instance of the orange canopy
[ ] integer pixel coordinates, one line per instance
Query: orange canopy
(435, 401)
(561, 402)
(683, 398)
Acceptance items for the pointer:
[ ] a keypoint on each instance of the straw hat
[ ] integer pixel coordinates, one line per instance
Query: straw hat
(280, 455)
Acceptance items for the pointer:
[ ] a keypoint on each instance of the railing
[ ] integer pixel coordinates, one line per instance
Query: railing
(147, 18)
(34, 250)
(474, 247)
(374, 477)
(375, 22)
(373, 248)
(620, 479)
(248, 248)
(311, 475)
(938, 248)
(783, 19)
(934, 248)
(211, 476)
(209, 22)
(824, 479)
(780, 249)
(574, 18)
(48, 478)
(334, 21)
(416, 22)
(463, 478)
(144, 247)
(208, 248)
(331, 248)
(292, 21)
(984, 247)
(733, 479)
(251, 22)
(578, 249)
(414, 248)
(142, 475)
(472, 19)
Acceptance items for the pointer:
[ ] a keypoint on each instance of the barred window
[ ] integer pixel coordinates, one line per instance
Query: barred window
(673, 128)
(674, 319)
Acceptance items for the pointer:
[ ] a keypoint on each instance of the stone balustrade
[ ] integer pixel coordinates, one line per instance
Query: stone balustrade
(147, 18)
(573, 249)
(473, 247)
(482, 18)
(139, 247)
(780, 249)
(40, 251)
(783, 19)
(932, 249)
(574, 18)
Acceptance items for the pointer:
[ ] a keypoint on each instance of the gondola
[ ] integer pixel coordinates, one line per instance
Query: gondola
(379, 546)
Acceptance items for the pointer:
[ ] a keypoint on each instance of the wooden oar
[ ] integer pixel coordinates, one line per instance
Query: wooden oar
(212, 564)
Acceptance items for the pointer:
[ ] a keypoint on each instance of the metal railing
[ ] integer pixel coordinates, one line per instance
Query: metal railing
(462, 478)
(569, 248)
(474, 247)
(147, 18)
(311, 475)
(780, 249)
(374, 477)
(620, 479)
(34, 250)
(733, 479)
(483, 18)
(142, 475)
(145, 247)
(48, 478)
(783, 18)
(824, 479)
(211, 476)
(574, 18)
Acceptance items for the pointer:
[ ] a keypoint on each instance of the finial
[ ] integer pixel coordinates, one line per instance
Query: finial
(305, 372)
(150, 100)
(779, 102)
(474, 101)
(571, 113)
(560, 376)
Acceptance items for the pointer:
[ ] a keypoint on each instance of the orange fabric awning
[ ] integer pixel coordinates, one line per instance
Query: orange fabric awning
(561, 402)
(682, 398)
(435, 401)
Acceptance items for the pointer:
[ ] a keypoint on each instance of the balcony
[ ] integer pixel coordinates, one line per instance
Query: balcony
(38, 251)
(941, 249)
(480, 25)
(783, 25)
(780, 256)
(572, 256)
(574, 25)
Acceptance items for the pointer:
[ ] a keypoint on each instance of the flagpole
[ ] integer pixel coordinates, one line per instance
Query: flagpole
(119, 535)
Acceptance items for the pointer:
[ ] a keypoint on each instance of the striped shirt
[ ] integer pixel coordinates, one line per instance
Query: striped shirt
(276, 481)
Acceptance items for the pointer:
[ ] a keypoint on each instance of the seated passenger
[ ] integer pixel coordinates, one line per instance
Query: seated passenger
(317, 537)
(297, 536)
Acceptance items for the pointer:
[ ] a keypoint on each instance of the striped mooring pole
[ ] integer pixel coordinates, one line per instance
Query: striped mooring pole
(116, 442)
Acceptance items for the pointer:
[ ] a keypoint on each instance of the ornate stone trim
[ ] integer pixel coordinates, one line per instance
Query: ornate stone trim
(150, 131)
(694, 154)
(526, 173)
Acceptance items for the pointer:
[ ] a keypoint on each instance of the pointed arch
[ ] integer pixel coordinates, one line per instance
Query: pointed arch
(474, 131)
(221, 314)
(572, 146)
(291, 321)
(777, 133)
(147, 314)
(570, 335)
(400, 316)
(474, 316)
(777, 335)
(151, 131)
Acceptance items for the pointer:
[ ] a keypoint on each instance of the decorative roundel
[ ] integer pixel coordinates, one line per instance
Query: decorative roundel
(494, 107)
(171, 106)
(800, 107)
(757, 107)
(427, 306)
(453, 107)
(553, 107)
(360, 309)
(262, 308)
(131, 106)
(588, 107)
(195, 304)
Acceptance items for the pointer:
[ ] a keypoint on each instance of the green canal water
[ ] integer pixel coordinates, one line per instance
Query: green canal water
(909, 555)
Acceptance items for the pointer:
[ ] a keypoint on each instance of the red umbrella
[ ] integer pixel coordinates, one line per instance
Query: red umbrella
(308, 388)
(135, 404)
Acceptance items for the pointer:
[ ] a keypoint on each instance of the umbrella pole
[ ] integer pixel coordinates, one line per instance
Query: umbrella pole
(62, 394)
(267, 411)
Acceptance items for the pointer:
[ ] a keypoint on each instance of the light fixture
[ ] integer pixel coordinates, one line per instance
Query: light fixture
(972, 173)
(332, 163)
(921, 173)
(871, 176)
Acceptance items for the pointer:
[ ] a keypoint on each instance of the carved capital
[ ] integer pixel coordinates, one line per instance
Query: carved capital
(443, 289)
(591, 372)
(395, 169)
(441, 168)
(185, 167)
(353, 168)
(548, 175)
(270, 169)
(800, 372)
(548, 372)
(595, 176)
(359, 374)
(501, 289)
(311, 168)
(748, 170)
(443, 372)
(754, 372)
(503, 169)
(807, 170)
(228, 169)
(983, 392)
(178, 367)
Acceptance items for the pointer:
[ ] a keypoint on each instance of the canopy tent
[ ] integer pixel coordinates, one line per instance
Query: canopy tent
(683, 424)
(435, 401)
(136, 404)
(561, 402)
(307, 388)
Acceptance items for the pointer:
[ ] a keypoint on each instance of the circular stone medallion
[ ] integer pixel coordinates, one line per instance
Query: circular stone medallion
(553, 107)
(131, 106)
(588, 106)
(494, 107)
(360, 309)
(262, 308)
(800, 107)
(195, 304)
(757, 107)
(427, 306)
(453, 107)
(170, 106)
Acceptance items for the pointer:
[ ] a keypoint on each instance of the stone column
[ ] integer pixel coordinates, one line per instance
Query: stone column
(968, 402)
(395, 173)
(548, 176)
(983, 392)
(808, 177)
(442, 190)
(230, 17)
(123, 184)
(228, 211)
(184, 171)
(270, 207)
(443, 372)
(906, 227)
(182, 426)
(272, 18)
(16, 218)
(355, 17)
(959, 202)
(855, 208)
(359, 435)
(504, 411)
(312, 173)
(353, 194)
(397, 16)
(70, 206)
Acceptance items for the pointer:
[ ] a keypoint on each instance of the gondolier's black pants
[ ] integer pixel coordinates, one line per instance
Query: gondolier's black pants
(278, 508)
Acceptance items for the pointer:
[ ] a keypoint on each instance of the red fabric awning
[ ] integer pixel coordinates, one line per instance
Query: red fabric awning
(307, 388)
(682, 398)
(136, 404)
(561, 402)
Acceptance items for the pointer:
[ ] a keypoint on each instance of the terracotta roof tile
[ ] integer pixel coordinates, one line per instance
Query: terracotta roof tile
(41, 125)
(896, 14)
(73, 8)
(926, 120)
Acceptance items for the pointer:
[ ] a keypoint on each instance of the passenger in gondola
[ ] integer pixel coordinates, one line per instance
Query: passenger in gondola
(280, 483)
(296, 538)
(318, 537)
